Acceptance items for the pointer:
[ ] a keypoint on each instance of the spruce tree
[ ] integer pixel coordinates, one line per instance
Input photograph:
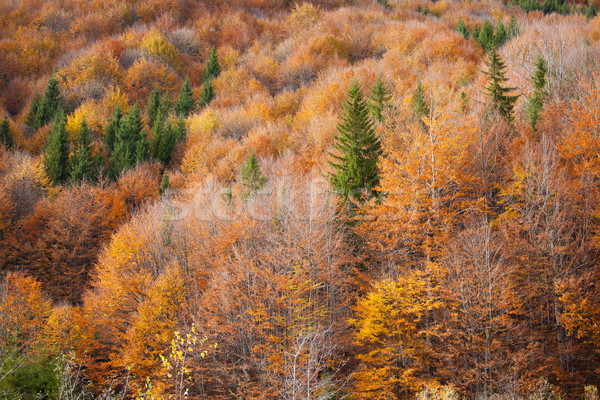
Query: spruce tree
(31, 119)
(56, 154)
(252, 177)
(501, 100)
(6, 138)
(464, 101)
(83, 163)
(380, 99)
(462, 29)
(358, 148)
(591, 10)
(112, 127)
(164, 183)
(500, 34)
(486, 36)
(213, 68)
(419, 105)
(475, 33)
(153, 106)
(539, 81)
(207, 93)
(131, 144)
(43, 109)
(139, 147)
(513, 29)
(186, 103)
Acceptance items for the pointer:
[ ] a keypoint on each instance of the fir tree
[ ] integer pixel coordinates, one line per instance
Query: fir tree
(379, 100)
(591, 10)
(539, 84)
(186, 103)
(112, 127)
(153, 106)
(139, 147)
(357, 148)
(462, 29)
(213, 68)
(43, 109)
(207, 93)
(252, 177)
(475, 33)
(501, 100)
(500, 34)
(486, 36)
(56, 154)
(83, 163)
(464, 101)
(513, 29)
(164, 183)
(6, 138)
(31, 119)
(131, 144)
(419, 105)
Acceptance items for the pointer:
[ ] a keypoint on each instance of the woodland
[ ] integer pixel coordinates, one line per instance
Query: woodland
(279, 199)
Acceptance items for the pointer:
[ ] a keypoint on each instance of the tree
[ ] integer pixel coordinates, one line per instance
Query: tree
(131, 144)
(357, 150)
(213, 68)
(6, 137)
(501, 100)
(380, 99)
(43, 110)
(186, 103)
(462, 29)
(56, 155)
(486, 36)
(83, 163)
(513, 28)
(500, 34)
(153, 106)
(164, 184)
(539, 84)
(207, 93)
(419, 105)
(112, 127)
(252, 177)
(591, 11)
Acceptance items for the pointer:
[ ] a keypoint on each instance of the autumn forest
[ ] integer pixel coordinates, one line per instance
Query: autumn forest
(278, 199)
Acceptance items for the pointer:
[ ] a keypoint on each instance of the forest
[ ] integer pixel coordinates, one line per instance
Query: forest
(280, 199)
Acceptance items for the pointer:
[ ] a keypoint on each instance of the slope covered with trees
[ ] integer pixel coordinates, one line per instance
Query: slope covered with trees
(266, 199)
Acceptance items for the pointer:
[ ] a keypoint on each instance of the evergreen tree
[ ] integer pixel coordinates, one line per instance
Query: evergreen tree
(207, 93)
(83, 163)
(164, 183)
(486, 36)
(167, 143)
(501, 100)
(213, 68)
(131, 144)
(31, 119)
(539, 92)
(591, 10)
(464, 101)
(252, 177)
(6, 137)
(153, 106)
(475, 33)
(500, 34)
(56, 154)
(357, 148)
(419, 105)
(139, 147)
(43, 110)
(462, 29)
(379, 100)
(112, 127)
(186, 103)
(513, 29)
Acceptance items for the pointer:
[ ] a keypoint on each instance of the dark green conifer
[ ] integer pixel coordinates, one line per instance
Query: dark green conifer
(513, 29)
(213, 68)
(153, 106)
(591, 10)
(112, 127)
(500, 34)
(357, 150)
(56, 154)
(252, 177)
(462, 29)
(419, 105)
(502, 101)
(131, 144)
(486, 36)
(43, 110)
(536, 100)
(164, 183)
(185, 103)
(464, 101)
(380, 99)
(83, 163)
(31, 119)
(6, 137)
(207, 93)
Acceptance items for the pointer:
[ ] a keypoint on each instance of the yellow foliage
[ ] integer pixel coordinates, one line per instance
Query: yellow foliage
(156, 44)
(87, 110)
(304, 15)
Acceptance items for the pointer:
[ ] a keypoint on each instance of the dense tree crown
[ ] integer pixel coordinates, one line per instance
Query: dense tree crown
(56, 154)
(502, 101)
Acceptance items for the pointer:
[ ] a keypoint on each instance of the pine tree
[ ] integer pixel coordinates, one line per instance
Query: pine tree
(131, 144)
(153, 106)
(462, 29)
(6, 137)
(486, 36)
(213, 68)
(207, 93)
(539, 84)
(419, 105)
(500, 34)
(112, 127)
(139, 148)
(186, 103)
(357, 148)
(252, 177)
(83, 163)
(591, 10)
(31, 119)
(475, 33)
(43, 109)
(164, 183)
(56, 154)
(501, 100)
(380, 99)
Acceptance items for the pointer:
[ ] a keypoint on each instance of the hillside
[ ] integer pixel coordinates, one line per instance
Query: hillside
(264, 199)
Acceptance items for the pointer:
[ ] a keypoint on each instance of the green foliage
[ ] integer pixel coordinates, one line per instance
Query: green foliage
(164, 183)
(530, 5)
(501, 100)
(591, 10)
(252, 177)
(83, 162)
(539, 84)
(31, 377)
(112, 127)
(43, 110)
(358, 148)
(186, 103)
(213, 68)
(462, 29)
(384, 3)
(56, 155)
(153, 106)
(131, 144)
(475, 33)
(419, 105)
(464, 101)
(207, 93)
(500, 34)
(6, 137)
(380, 99)
(486, 36)
(513, 29)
